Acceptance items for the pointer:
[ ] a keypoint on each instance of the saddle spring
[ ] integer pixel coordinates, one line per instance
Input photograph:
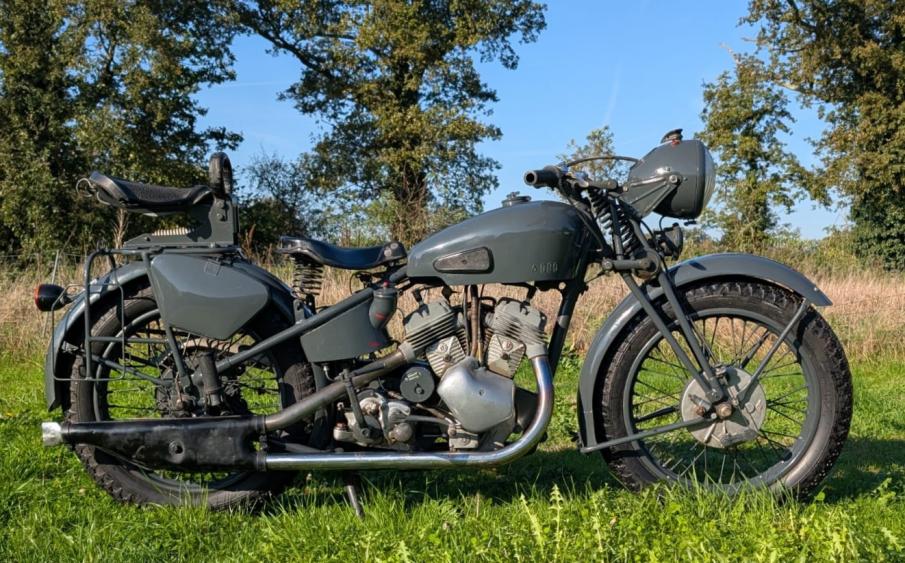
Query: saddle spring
(307, 278)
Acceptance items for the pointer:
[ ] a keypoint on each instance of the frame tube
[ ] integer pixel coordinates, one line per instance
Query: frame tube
(332, 392)
(297, 329)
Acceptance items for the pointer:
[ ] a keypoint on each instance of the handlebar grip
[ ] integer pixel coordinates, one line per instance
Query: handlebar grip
(548, 176)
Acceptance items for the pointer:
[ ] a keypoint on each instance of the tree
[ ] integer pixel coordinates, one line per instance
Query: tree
(744, 116)
(279, 202)
(848, 58)
(395, 86)
(598, 142)
(98, 84)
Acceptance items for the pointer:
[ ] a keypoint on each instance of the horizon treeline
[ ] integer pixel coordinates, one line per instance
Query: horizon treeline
(97, 85)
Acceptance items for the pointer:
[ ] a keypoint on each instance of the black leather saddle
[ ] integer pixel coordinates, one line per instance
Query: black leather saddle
(145, 198)
(327, 254)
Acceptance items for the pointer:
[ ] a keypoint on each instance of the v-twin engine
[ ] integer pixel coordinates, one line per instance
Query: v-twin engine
(479, 393)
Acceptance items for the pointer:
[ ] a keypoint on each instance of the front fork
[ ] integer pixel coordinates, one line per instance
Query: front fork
(705, 376)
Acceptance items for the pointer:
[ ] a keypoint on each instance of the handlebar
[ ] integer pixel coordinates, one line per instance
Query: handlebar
(553, 176)
(548, 176)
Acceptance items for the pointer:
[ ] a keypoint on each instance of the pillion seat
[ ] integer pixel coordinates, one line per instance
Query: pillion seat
(327, 254)
(145, 198)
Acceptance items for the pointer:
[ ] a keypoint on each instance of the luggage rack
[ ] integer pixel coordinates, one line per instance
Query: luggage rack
(94, 289)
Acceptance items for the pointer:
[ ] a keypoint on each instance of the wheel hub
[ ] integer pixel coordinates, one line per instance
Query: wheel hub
(744, 414)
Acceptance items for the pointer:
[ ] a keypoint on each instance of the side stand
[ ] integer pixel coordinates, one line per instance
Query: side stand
(352, 487)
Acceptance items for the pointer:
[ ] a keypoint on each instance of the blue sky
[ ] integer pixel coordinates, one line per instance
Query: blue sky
(635, 66)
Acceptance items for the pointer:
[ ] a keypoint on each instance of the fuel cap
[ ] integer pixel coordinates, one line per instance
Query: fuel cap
(515, 198)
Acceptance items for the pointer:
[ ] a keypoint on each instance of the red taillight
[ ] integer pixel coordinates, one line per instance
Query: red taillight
(49, 297)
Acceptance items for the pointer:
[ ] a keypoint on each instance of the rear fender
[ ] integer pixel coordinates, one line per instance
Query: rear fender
(710, 267)
(105, 292)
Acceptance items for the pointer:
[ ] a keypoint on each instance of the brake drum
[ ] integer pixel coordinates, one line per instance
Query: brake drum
(748, 413)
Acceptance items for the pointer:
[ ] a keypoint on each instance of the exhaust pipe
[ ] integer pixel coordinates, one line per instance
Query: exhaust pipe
(215, 443)
(51, 434)
(227, 442)
(433, 460)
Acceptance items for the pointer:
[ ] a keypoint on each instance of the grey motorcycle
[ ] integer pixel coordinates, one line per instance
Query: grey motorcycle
(187, 374)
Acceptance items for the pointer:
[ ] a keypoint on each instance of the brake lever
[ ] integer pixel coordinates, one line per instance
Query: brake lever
(583, 180)
(608, 185)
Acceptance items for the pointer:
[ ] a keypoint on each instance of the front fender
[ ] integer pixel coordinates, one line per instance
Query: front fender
(70, 328)
(709, 267)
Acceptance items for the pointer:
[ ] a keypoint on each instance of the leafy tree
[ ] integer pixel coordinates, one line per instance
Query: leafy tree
(598, 142)
(744, 116)
(279, 202)
(35, 146)
(848, 58)
(99, 84)
(395, 85)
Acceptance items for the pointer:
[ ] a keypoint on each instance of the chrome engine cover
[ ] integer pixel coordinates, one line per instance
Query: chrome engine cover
(478, 398)
(444, 354)
(504, 354)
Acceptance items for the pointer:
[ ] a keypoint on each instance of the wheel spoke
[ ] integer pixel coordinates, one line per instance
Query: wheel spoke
(779, 434)
(666, 393)
(776, 402)
(777, 445)
(783, 382)
(790, 393)
(658, 413)
(784, 415)
(746, 359)
(663, 361)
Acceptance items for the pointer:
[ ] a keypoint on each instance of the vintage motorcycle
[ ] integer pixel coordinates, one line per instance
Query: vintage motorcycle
(187, 374)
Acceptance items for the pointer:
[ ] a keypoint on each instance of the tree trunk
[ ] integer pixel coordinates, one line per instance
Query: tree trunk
(411, 220)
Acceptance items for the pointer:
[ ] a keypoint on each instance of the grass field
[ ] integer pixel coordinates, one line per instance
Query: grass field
(554, 505)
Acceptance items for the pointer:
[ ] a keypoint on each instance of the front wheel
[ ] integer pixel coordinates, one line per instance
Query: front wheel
(786, 429)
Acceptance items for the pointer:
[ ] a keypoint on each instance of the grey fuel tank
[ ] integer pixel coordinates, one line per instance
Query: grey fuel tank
(519, 242)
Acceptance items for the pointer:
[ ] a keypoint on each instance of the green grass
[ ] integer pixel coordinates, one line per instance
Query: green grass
(553, 505)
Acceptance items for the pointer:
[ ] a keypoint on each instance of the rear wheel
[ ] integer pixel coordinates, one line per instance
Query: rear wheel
(265, 384)
(787, 428)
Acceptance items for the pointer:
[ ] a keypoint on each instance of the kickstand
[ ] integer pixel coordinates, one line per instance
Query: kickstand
(352, 487)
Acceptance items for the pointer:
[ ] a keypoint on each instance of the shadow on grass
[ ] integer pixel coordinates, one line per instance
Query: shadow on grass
(863, 466)
(536, 474)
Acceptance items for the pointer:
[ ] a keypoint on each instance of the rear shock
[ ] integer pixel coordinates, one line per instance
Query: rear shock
(307, 279)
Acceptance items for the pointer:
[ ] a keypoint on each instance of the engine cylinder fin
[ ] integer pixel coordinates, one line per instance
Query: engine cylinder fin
(429, 323)
(518, 327)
